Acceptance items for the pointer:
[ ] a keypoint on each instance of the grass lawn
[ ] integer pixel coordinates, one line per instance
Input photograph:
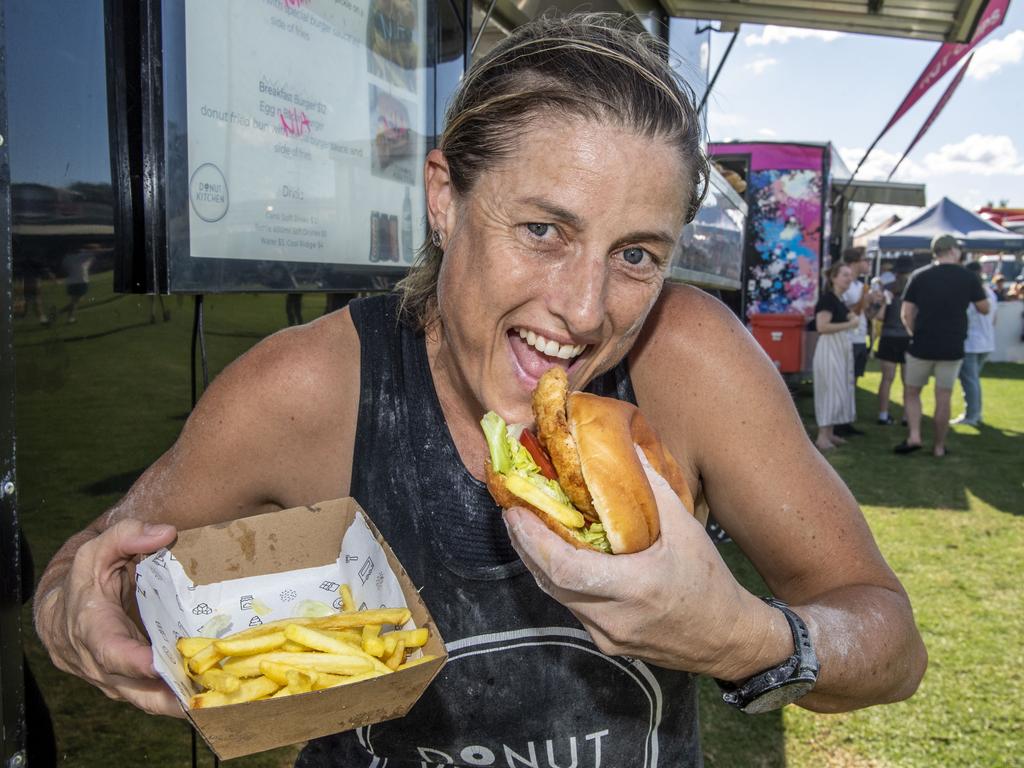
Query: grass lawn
(953, 530)
(98, 401)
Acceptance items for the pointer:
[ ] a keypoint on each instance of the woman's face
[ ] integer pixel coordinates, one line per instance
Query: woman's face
(555, 257)
(841, 282)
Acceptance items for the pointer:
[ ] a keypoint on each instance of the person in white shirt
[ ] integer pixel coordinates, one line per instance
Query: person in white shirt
(76, 275)
(860, 302)
(980, 343)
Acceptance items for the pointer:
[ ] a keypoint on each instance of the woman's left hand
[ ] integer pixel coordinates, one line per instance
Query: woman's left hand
(676, 604)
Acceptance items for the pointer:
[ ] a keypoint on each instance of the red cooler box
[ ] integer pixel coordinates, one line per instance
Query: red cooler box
(781, 336)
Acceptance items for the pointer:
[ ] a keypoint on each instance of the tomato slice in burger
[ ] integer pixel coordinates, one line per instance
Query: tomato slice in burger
(531, 444)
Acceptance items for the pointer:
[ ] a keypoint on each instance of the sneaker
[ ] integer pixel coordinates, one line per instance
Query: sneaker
(962, 419)
(885, 421)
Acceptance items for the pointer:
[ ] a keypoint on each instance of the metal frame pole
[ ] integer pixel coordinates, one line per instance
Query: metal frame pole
(12, 680)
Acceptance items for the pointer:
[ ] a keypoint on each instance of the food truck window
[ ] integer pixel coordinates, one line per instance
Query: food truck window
(735, 171)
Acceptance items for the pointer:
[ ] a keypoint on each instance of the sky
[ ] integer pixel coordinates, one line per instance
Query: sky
(785, 84)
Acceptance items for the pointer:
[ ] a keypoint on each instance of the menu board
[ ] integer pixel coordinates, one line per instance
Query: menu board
(306, 130)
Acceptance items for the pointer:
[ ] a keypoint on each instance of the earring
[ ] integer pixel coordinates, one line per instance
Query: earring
(435, 238)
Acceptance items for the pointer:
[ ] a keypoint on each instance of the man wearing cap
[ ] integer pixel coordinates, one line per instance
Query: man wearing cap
(935, 313)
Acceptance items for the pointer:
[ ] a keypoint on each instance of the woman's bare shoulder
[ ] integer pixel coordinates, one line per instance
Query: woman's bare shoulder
(693, 334)
(317, 362)
(284, 414)
(698, 371)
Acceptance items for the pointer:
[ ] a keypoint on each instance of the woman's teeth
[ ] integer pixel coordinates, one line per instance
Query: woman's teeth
(549, 347)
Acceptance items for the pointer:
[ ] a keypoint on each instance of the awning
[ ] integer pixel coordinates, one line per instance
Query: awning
(881, 192)
(945, 20)
(972, 232)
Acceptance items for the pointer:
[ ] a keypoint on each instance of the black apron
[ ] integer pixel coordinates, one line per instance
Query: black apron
(524, 685)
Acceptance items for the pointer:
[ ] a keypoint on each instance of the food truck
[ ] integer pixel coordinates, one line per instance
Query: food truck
(798, 197)
(261, 162)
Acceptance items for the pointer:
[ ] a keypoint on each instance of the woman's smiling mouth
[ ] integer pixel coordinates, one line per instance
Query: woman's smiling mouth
(548, 346)
(534, 354)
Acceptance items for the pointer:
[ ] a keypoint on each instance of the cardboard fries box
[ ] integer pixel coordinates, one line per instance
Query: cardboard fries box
(224, 578)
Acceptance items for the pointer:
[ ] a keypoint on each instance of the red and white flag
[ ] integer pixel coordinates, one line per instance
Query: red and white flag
(936, 110)
(947, 56)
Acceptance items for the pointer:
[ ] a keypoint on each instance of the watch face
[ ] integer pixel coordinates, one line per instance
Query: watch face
(776, 698)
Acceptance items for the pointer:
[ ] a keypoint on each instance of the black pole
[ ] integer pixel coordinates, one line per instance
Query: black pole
(718, 71)
(887, 178)
(483, 26)
(861, 163)
(467, 29)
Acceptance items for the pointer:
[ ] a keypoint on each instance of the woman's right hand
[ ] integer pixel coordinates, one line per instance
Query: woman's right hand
(84, 625)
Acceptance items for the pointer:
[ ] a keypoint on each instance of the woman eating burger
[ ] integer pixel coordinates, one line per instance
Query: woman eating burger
(570, 161)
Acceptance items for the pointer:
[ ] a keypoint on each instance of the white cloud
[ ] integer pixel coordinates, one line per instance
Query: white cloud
(977, 154)
(725, 119)
(880, 163)
(758, 66)
(773, 34)
(767, 133)
(996, 54)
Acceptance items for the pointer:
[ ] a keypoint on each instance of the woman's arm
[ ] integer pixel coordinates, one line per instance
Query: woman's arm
(786, 507)
(269, 433)
(823, 323)
(723, 411)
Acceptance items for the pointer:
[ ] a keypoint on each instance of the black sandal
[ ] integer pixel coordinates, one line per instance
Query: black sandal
(906, 447)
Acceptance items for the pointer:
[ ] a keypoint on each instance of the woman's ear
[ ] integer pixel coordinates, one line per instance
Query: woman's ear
(440, 195)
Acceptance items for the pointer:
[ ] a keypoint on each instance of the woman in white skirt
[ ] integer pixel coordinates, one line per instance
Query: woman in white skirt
(833, 358)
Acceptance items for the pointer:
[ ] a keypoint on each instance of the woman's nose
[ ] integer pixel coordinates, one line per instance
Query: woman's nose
(579, 293)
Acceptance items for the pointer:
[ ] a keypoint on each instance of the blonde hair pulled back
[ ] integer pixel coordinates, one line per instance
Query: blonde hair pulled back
(595, 66)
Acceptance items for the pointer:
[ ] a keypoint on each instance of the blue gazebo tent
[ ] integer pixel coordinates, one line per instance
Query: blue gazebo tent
(973, 232)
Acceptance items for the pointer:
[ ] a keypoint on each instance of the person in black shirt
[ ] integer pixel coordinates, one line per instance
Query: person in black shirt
(834, 378)
(935, 313)
(894, 338)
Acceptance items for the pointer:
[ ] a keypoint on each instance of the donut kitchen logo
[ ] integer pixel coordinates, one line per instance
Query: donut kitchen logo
(568, 752)
(510, 671)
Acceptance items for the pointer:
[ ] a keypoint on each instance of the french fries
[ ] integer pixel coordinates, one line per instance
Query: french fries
(348, 603)
(250, 690)
(250, 646)
(299, 655)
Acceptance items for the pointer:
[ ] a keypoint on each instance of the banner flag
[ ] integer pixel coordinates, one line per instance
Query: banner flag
(947, 57)
(935, 112)
(924, 128)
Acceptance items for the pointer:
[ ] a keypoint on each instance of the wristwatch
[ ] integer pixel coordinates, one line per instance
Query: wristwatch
(781, 685)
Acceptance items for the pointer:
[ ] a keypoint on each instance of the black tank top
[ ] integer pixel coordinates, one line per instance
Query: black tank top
(524, 685)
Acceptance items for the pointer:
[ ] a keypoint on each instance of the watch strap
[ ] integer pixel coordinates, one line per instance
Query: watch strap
(802, 665)
(808, 659)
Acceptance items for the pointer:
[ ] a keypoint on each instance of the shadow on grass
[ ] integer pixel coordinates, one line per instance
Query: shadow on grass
(86, 336)
(983, 462)
(1003, 371)
(119, 483)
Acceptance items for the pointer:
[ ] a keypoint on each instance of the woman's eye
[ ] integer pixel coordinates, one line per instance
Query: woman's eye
(634, 255)
(538, 230)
